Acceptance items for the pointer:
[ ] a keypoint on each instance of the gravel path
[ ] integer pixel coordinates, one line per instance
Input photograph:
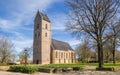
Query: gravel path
(72, 73)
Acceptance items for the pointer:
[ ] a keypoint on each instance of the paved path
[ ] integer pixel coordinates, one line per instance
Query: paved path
(17, 73)
(72, 73)
(90, 68)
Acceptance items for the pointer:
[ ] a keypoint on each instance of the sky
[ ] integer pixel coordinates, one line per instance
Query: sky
(17, 21)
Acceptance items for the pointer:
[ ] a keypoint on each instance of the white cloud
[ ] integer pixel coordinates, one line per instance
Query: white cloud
(21, 16)
(21, 44)
(73, 42)
(58, 21)
(8, 24)
(24, 13)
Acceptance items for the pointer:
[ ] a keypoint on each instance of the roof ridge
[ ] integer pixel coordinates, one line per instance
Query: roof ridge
(60, 45)
(60, 41)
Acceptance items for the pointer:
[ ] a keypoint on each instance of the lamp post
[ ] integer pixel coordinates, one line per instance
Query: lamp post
(25, 57)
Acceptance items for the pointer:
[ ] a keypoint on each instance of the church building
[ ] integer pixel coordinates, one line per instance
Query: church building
(47, 50)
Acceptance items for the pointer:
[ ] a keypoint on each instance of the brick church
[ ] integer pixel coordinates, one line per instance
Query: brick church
(47, 50)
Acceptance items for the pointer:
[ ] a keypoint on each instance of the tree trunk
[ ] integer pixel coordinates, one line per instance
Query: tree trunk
(113, 56)
(3, 60)
(100, 52)
(101, 47)
(100, 59)
(114, 44)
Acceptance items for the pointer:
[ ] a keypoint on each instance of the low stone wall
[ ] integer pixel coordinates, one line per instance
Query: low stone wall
(104, 69)
(116, 68)
(59, 70)
(4, 68)
(45, 70)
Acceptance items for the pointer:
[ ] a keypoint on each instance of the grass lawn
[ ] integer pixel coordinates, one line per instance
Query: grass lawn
(110, 65)
(62, 65)
(81, 65)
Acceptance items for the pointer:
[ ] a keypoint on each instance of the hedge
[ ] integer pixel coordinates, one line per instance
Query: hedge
(24, 69)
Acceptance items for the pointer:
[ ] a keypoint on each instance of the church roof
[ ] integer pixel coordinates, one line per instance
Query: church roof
(44, 16)
(60, 45)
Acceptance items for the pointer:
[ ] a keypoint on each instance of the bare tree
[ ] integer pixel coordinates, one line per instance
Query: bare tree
(117, 55)
(25, 54)
(92, 17)
(114, 39)
(107, 53)
(6, 50)
(83, 52)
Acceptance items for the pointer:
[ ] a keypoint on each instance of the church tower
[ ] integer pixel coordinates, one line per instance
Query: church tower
(42, 39)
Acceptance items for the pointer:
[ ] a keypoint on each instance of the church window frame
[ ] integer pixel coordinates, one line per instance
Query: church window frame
(72, 55)
(38, 26)
(56, 54)
(38, 34)
(69, 55)
(35, 35)
(46, 26)
(61, 54)
(66, 55)
(46, 34)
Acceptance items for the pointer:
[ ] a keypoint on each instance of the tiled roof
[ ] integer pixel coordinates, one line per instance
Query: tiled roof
(60, 45)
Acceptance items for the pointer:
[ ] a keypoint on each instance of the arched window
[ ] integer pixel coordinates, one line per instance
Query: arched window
(61, 54)
(69, 55)
(37, 26)
(66, 55)
(72, 55)
(46, 26)
(45, 34)
(35, 35)
(38, 34)
(56, 54)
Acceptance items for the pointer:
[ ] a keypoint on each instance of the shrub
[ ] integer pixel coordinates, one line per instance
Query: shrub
(11, 64)
(16, 68)
(76, 68)
(24, 69)
(3, 64)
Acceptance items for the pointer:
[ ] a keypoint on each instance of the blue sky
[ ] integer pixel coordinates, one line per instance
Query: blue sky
(17, 20)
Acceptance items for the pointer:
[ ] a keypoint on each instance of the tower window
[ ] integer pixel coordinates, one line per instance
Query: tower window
(38, 34)
(37, 26)
(46, 26)
(45, 34)
(35, 35)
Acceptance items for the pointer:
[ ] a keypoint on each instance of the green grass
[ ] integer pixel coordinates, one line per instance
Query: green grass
(62, 66)
(111, 65)
(80, 65)
(31, 68)
(106, 65)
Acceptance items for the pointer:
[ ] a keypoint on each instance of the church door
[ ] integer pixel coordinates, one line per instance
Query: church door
(37, 62)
